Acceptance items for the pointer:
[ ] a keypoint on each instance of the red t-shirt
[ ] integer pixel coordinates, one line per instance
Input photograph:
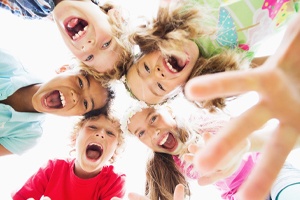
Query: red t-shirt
(58, 181)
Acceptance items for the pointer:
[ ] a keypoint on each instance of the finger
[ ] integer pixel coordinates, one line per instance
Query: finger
(207, 180)
(135, 196)
(207, 136)
(232, 135)
(269, 164)
(179, 192)
(194, 148)
(222, 84)
(188, 158)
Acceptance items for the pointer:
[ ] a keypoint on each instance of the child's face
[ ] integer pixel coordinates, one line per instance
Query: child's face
(70, 94)
(87, 33)
(156, 129)
(96, 143)
(154, 78)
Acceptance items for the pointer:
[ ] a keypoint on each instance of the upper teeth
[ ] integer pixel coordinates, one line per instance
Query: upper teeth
(80, 33)
(170, 66)
(62, 99)
(164, 139)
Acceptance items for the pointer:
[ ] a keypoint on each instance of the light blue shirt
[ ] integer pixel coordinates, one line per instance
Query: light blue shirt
(19, 131)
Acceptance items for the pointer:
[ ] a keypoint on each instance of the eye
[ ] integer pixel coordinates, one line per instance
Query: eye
(90, 57)
(105, 45)
(152, 119)
(146, 68)
(85, 103)
(110, 133)
(80, 83)
(92, 127)
(160, 87)
(140, 134)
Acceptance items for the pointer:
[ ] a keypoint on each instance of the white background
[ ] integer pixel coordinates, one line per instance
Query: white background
(39, 46)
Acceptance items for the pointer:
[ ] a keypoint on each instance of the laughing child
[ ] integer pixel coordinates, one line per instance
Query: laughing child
(24, 100)
(97, 141)
(94, 34)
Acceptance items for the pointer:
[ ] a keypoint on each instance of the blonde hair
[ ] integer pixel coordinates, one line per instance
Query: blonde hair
(120, 31)
(183, 21)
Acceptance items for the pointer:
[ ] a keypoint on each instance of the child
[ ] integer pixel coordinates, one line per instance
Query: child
(96, 140)
(168, 132)
(94, 34)
(24, 99)
(185, 40)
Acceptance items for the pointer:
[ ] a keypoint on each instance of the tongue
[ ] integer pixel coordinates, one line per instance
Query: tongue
(72, 23)
(170, 143)
(91, 154)
(53, 100)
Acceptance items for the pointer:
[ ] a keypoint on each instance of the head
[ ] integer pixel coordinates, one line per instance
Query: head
(71, 93)
(171, 53)
(168, 51)
(155, 77)
(95, 35)
(157, 127)
(97, 141)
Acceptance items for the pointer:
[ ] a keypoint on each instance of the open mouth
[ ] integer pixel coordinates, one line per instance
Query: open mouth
(55, 99)
(94, 151)
(168, 142)
(76, 27)
(174, 64)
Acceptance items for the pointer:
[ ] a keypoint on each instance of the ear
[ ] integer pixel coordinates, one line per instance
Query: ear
(63, 68)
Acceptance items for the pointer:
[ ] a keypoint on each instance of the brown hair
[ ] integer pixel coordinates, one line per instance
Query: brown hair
(187, 20)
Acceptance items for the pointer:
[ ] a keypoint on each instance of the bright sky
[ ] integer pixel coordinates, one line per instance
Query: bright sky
(39, 46)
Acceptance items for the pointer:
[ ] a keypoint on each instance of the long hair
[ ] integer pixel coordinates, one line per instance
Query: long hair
(162, 173)
(183, 21)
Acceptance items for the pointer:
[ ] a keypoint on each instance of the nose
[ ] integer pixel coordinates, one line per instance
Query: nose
(74, 96)
(158, 72)
(101, 133)
(88, 45)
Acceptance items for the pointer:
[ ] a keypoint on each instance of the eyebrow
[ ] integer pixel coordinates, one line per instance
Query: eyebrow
(150, 88)
(89, 84)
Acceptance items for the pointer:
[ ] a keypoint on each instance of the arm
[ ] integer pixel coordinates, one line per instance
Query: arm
(277, 82)
(4, 151)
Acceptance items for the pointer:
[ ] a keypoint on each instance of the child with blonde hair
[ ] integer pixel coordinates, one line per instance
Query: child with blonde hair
(95, 34)
(97, 141)
(187, 39)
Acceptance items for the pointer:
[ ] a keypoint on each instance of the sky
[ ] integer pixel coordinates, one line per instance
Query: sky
(40, 48)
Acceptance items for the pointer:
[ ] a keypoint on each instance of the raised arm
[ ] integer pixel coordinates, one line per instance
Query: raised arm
(277, 82)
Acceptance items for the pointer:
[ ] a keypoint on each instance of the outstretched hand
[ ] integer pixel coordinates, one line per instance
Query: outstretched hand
(228, 166)
(277, 82)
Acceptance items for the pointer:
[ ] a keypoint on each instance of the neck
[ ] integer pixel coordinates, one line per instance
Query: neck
(21, 100)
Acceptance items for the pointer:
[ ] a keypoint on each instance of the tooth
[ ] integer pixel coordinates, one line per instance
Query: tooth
(85, 28)
(62, 99)
(80, 33)
(164, 140)
(170, 66)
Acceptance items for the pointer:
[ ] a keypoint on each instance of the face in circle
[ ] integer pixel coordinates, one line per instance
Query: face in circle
(86, 31)
(71, 93)
(155, 78)
(156, 129)
(96, 143)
